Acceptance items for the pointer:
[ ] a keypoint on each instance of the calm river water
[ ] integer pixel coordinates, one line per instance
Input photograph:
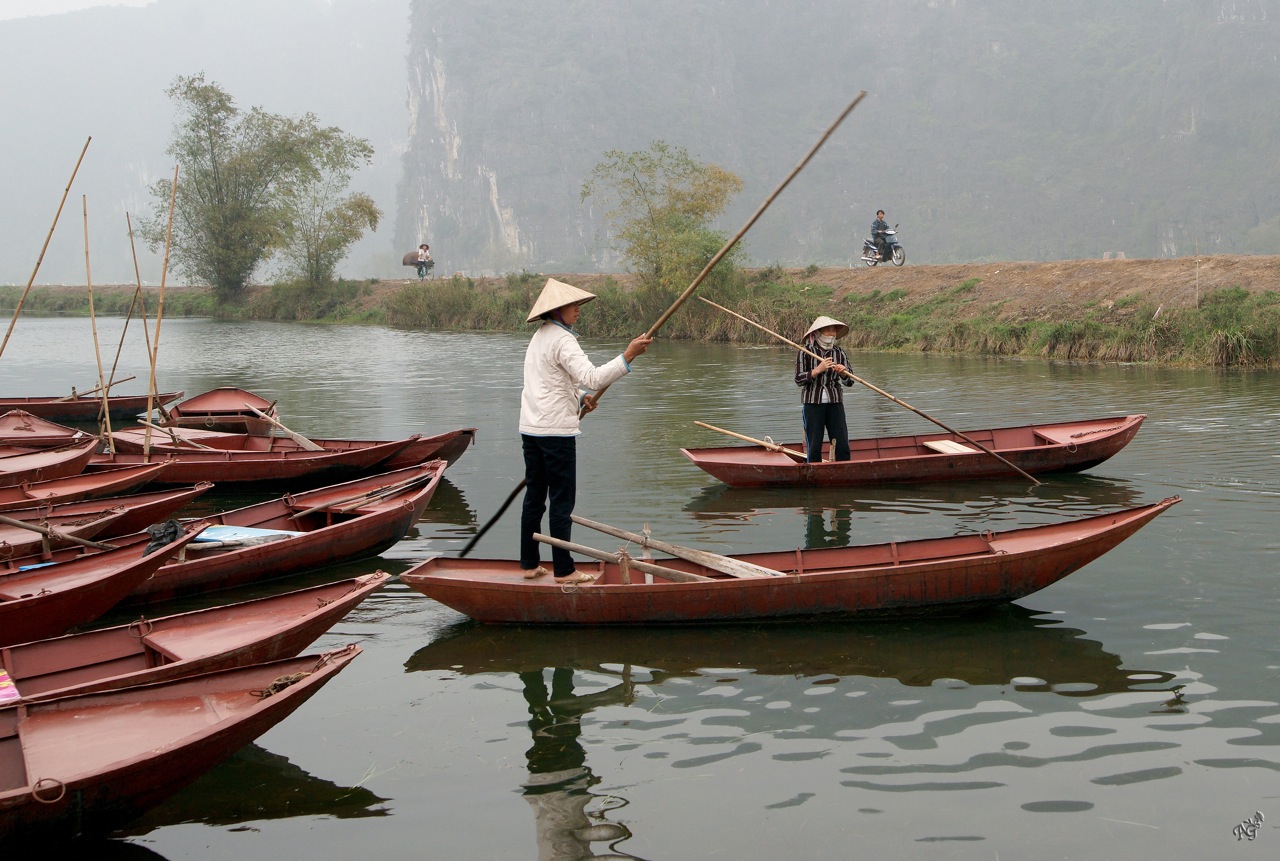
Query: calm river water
(1052, 728)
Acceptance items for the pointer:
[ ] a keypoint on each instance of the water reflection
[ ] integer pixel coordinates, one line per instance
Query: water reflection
(255, 784)
(559, 780)
(1009, 645)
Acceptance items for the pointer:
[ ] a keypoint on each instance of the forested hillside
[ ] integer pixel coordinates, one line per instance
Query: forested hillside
(992, 130)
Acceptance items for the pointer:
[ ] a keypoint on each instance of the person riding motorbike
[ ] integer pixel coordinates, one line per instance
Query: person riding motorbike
(879, 228)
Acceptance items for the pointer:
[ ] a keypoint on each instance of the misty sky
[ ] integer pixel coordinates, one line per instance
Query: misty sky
(28, 8)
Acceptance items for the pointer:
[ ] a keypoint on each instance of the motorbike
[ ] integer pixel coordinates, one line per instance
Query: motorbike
(897, 254)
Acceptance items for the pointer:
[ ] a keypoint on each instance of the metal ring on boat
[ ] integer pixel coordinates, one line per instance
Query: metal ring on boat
(141, 624)
(62, 790)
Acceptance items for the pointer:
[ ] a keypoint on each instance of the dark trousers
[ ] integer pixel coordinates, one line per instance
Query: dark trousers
(550, 472)
(825, 420)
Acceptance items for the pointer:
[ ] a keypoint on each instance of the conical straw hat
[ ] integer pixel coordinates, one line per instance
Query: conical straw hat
(555, 295)
(824, 322)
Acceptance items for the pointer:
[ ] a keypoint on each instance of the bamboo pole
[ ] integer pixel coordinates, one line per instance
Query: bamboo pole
(44, 248)
(771, 446)
(591, 400)
(133, 303)
(104, 425)
(878, 391)
(155, 346)
(53, 533)
(707, 559)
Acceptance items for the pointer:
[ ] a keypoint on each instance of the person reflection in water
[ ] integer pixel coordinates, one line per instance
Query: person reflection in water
(557, 788)
(818, 535)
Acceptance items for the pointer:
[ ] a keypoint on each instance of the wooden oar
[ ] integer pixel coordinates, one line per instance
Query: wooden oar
(293, 435)
(771, 446)
(617, 559)
(53, 533)
(173, 435)
(714, 561)
(590, 401)
(878, 391)
(74, 394)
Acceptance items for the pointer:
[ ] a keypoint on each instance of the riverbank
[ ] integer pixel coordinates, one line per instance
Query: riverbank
(1221, 310)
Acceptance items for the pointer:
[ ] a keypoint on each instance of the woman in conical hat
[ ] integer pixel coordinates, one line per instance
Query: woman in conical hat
(822, 381)
(557, 374)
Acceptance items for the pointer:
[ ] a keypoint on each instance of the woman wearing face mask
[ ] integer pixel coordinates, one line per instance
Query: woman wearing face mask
(820, 384)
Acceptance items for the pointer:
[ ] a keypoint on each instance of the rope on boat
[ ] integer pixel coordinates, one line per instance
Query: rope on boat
(1079, 434)
(141, 627)
(279, 684)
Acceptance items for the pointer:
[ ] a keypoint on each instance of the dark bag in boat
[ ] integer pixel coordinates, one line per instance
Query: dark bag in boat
(162, 534)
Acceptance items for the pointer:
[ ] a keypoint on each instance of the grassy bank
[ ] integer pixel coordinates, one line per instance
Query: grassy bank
(941, 310)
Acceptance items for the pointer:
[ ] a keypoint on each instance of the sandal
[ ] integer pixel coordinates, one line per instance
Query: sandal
(531, 573)
(577, 577)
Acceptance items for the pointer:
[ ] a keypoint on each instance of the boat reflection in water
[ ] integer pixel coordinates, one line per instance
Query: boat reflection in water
(1009, 646)
(838, 517)
(255, 784)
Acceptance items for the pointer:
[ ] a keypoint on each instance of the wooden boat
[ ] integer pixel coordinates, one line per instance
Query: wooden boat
(19, 465)
(938, 576)
(1036, 449)
(47, 595)
(85, 408)
(226, 408)
(216, 417)
(258, 468)
(180, 441)
(108, 482)
(171, 647)
(299, 532)
(21, 428)
(85, 765)
(132, 513)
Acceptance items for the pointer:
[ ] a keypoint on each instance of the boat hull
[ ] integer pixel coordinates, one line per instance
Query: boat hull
(85, 409)
(1035, 449)
(74, 488)
(99, 760)
(942, 576)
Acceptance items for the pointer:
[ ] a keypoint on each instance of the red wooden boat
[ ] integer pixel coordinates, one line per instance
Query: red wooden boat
(180, 441)
(171, 647)
(21, 428)
(133, 513)
(45, 596)
(108, 482)
(85, 408)
(299, 532)
(19, 465)
(1035, 449)
(85, 765)
(258, 468)
(226, 408)
(938, 576)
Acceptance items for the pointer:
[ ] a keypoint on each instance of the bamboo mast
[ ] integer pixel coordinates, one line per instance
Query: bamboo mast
(105, 419)
(44, 248)
(155, 345)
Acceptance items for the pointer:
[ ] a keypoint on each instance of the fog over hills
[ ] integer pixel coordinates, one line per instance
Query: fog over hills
(992, 130)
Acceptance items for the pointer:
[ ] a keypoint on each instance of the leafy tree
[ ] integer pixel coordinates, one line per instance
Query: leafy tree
(322, 222)
(663, 205)
(244, 178)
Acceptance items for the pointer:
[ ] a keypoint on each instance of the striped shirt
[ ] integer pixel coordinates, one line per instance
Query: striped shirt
(824, 388)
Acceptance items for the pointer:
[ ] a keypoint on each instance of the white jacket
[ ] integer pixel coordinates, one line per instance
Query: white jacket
(555, 371)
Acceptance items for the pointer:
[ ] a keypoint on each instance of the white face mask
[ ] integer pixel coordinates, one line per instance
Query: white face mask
(826, 341)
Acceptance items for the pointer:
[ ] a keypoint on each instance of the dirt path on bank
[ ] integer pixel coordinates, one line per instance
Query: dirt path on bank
(1063, 289)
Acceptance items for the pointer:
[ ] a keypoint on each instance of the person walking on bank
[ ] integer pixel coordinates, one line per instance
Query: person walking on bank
(425, 263)
(556, 373)
(820, 384)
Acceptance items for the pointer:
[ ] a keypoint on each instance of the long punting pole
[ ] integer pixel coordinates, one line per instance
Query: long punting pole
(105, 425)
(591, 400)
(44, 248)
(878, 391)
(155, 345)
(134, 303)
